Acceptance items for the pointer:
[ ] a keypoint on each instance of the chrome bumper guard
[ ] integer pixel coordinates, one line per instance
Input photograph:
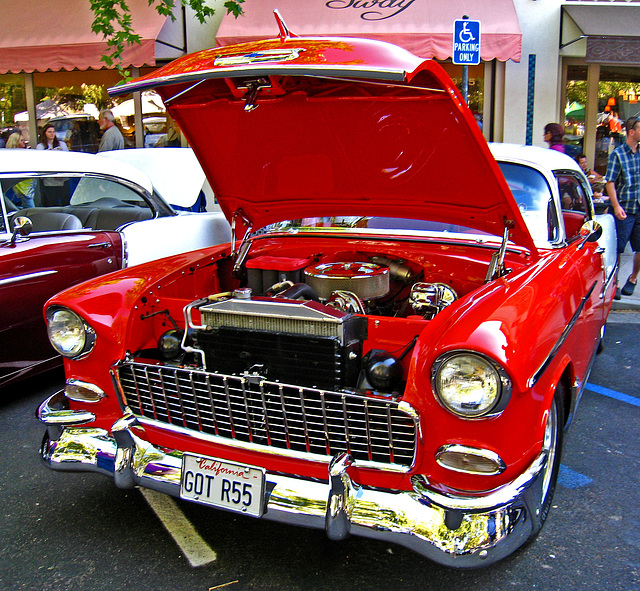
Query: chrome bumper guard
(461, 532)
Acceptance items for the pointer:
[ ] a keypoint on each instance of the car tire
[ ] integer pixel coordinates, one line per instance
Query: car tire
(552, 443)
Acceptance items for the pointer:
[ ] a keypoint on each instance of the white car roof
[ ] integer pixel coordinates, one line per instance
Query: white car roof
(175, 173)
(19, 161)
(540, 157)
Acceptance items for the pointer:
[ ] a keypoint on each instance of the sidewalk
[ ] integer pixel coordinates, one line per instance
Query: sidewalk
(631, 302)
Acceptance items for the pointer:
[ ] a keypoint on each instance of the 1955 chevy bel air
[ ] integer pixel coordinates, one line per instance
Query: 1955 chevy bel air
(395, 339)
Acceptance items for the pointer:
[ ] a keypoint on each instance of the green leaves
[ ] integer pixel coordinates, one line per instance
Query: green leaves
(233, 7)
(112, 21)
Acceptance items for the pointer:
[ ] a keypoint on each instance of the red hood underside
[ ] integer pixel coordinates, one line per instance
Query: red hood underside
(343, 127)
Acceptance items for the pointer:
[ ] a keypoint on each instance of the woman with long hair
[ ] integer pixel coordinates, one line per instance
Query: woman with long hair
(49, 140)
(55, 191)
(554, 136)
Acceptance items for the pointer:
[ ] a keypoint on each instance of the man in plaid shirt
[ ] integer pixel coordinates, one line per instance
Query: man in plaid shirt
(623, 189)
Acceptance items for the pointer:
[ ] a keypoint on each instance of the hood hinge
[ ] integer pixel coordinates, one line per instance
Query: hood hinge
(240, 253)
(496, 266)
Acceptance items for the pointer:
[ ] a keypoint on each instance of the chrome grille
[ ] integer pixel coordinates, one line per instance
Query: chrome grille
(271, 414)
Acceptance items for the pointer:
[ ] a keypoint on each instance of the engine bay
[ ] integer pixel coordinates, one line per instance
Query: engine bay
(346, 320)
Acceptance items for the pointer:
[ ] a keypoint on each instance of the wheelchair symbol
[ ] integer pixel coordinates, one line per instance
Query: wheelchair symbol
(466, 35)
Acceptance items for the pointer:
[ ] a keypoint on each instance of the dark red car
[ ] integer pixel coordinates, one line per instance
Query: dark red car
(81, 216)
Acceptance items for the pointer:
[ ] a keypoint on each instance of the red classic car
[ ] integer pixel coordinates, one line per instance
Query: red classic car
(395, 339)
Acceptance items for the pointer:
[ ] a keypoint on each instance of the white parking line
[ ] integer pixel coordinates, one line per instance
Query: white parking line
(195, 549)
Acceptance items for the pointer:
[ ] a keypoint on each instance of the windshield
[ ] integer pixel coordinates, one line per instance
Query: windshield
(528, 186)
(534, 198)
(91, 189)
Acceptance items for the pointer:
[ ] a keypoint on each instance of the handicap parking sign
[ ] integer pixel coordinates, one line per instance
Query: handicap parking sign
(466, 42)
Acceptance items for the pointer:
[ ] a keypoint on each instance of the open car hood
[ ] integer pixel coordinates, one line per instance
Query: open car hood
(299, 127)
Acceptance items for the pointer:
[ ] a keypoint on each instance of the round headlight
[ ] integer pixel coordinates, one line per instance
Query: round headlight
(470, 385)
(68, 333)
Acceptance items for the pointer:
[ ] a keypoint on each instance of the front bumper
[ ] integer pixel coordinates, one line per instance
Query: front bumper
(461, 532)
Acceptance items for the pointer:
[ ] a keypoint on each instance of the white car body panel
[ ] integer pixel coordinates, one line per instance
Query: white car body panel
(175, 173)
(143, 240)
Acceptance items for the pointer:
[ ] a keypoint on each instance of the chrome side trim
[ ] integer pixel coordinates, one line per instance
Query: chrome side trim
(563, 337)
(27, 277)
(608, 281)
(577, 390)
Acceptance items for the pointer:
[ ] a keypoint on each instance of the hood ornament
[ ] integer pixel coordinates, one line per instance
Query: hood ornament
(285, 33)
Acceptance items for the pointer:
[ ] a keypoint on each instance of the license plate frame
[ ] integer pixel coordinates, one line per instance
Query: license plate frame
(225, 485)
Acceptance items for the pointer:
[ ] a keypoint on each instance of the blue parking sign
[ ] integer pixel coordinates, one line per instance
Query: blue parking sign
(466, 42)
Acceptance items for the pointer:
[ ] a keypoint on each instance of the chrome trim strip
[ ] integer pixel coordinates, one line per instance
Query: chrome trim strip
(563, 337)
(578, 389)
(609, 280)
(357, 72)
(27, 277)
(264, 449)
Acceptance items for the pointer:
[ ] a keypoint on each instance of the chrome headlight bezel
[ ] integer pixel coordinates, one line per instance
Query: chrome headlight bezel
(81, 342)
(495, 403)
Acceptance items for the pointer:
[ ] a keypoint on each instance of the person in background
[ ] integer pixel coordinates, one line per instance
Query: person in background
(54, 190)
(16, 141)
(615, 130)
(594, 177)
(623, 189)
(23, 192)
(112, 138)
(49, 140)
(554, 136)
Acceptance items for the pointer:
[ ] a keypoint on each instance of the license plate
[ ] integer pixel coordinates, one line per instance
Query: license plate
(222, 484)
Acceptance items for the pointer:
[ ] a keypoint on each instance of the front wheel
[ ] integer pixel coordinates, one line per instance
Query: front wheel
(552, 446)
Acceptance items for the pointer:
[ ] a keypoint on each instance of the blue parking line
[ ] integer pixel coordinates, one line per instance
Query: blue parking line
(571, 479)
(568, 477)
(613, 394)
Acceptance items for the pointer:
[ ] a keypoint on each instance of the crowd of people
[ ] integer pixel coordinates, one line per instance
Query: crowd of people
(112, 137)
(619, 187)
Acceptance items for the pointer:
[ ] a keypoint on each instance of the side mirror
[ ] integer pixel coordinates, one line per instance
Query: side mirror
(591, 231)
(22, 226)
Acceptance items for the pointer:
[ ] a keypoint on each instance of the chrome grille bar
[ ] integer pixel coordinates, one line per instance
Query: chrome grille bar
(269, 414)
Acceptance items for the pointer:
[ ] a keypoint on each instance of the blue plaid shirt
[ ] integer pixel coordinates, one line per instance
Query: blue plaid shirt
(623, 168)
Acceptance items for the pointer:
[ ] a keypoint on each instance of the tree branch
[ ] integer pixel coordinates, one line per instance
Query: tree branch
(112, 20)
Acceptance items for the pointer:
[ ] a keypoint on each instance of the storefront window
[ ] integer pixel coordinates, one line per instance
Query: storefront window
(618, 99)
